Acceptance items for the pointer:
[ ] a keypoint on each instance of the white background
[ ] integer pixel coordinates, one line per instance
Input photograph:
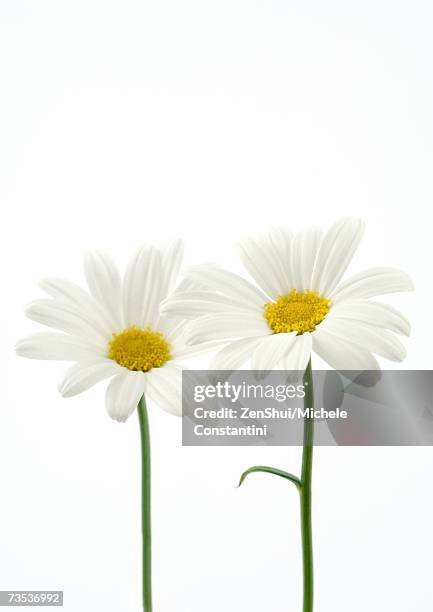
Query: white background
(124, 122)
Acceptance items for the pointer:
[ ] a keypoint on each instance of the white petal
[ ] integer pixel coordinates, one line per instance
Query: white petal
(372, 282)
(177, 337)
(366, 336)
(123, 394)
(142, 288)
(105, 284)
(173, 329)
(62, 347)
(281, 240)
(61, 315)
(64, 289)
(225, 326)
(299, 355)
(340, 354)
(305, 246)
(235, 354)
(188, 284)
(84, 374)
(181, 350)
(193, 304)
(231, 285)
(271, 350)
(265, 265)
(335, 253)
(171, 259)
(74, 299)
(374, 313)
(164, 387)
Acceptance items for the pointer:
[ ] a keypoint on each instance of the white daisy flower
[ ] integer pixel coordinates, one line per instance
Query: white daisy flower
(298, 304)
(115, 330)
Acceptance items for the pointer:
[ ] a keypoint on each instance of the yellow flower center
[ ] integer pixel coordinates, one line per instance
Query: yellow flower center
(299, 312)
(139, 349)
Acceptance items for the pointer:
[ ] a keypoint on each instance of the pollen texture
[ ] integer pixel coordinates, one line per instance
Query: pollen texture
(139, 349)
(299, 312)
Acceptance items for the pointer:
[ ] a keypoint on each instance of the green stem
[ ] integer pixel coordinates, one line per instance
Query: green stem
(270, 470)
(146, 505)
(305, 494)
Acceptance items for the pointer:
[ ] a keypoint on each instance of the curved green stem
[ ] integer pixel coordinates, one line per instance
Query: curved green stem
(270, 470)
(146, 505)
(305, 494)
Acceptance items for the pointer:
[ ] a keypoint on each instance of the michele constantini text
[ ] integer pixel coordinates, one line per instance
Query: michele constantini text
(240, 415)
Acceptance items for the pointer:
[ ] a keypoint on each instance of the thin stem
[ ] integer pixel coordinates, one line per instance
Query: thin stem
(146, 505)
(270, 470)
(305, 494)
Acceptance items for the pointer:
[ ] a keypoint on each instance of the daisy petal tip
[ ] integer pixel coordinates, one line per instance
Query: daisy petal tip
(89, 258)
(359, 221)
(29, 309)
(118, 418)
(356, 222)
(407, 281)
(177, 245)
(42, 283)
(47, 282)
(358, 226)
(33, 309)
(402, 355)
(19, 348)
(406, 329)
(63, 390)
(399, 354)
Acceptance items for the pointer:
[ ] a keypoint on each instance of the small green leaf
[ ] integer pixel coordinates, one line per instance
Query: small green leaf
(271, 470)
